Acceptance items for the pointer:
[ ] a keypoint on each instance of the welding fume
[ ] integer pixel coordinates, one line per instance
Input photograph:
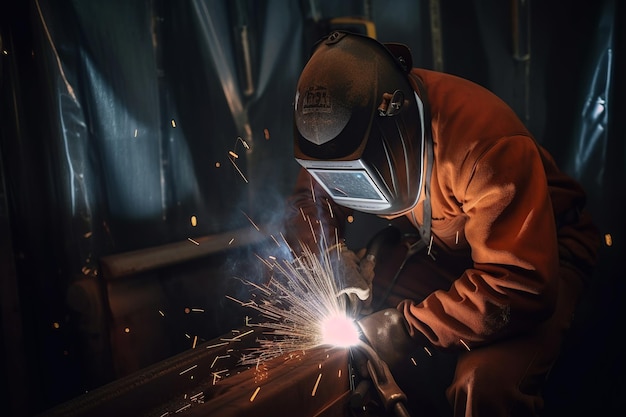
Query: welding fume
(462, 302)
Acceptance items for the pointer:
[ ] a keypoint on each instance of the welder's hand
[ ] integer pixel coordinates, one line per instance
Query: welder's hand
(386, 331)
(355, 276)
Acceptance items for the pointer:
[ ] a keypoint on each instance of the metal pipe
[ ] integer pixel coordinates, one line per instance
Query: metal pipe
(129, 263)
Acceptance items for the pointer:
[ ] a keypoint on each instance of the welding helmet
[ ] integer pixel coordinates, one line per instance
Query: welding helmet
(358, 124)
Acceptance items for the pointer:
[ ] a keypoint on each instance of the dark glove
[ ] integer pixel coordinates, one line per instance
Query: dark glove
(386, 331)
(354, 278)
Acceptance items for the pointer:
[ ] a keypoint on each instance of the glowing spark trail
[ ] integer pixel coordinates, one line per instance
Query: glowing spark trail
(256, 391)
(188, 369)
(301, 306)
(216, 345)
(316, 385)
(252, 222)
(238, 170)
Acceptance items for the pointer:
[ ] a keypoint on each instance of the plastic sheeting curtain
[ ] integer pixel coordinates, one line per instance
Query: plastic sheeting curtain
(153, 124)
(131, 123)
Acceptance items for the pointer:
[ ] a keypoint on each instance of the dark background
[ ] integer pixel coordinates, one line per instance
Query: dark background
(116, 122)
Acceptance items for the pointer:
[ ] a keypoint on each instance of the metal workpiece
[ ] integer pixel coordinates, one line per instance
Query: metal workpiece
(209, 380)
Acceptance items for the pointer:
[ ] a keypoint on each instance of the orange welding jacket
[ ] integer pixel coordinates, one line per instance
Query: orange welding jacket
(497, 196)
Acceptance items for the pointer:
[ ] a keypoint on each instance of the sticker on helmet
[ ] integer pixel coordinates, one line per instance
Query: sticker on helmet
(316, 100)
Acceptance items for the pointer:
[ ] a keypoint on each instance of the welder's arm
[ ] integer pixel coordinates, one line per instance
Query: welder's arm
(513, 283)
(312, 218)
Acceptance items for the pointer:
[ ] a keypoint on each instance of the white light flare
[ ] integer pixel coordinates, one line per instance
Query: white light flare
(339, 330)
(301, 308)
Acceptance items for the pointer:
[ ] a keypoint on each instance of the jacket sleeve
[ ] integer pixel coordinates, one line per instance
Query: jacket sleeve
(312, 217)
(511, 230)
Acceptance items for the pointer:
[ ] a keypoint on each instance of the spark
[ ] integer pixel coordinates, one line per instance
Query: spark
(312, 231)
(217, 375)
(235, 300)
(250, 220)
(238, 170)
(316, 384)
(341, 191)
(301, 307)
(183, 408)
(464, 344)
(193, 241)
(330, 210)
(243, 142)
(267, 263)
(256, 391)
(232, 156)
(285, 241)
(217, 345)
(312, 189)
(275, 240)
(196, 396)
(238, 337)
(243, 334)
(219, 357)
(188, 369)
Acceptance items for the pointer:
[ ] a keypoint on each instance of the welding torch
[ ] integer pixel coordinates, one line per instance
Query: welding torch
(391, 394)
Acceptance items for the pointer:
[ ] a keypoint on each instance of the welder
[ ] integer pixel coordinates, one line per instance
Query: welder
(499, 247)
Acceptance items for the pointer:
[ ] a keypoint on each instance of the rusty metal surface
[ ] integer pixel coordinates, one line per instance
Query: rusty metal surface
(208, 381)
(311, 383)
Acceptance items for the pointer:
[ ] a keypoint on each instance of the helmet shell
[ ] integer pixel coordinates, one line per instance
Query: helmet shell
(354, 102)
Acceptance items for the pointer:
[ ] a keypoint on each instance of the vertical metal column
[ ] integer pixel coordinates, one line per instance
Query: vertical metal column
(521, 46)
